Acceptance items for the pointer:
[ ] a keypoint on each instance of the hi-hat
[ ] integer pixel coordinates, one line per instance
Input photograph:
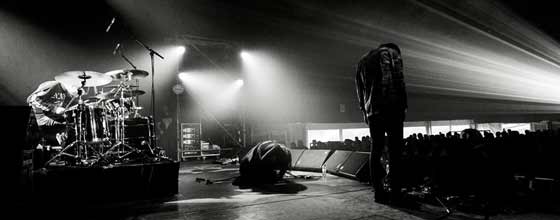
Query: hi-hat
(117, 94)
(133, 73)
(91, 78)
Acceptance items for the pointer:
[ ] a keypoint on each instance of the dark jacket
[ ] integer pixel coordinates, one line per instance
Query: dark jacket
(267, 162)
(380, 82)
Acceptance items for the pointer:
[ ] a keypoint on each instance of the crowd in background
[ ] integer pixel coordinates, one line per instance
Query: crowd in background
(471, 161)
(358, 144)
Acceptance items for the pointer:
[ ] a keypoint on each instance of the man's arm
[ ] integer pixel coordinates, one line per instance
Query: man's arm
(40, 109)
(360, 90)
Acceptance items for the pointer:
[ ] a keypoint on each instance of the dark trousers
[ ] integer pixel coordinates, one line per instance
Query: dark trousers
(392, 124)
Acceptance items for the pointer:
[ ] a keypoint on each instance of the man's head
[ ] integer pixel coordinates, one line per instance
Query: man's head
(391, 46)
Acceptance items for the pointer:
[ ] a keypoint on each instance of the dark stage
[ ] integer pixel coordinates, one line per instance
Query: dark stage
(131, 104)
(303, 195)
(114, 183)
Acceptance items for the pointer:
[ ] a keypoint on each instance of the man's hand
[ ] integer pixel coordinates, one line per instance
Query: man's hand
(61, 138)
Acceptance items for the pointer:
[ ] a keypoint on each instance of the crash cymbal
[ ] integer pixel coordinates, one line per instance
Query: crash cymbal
(91, 78)
(133, 73)
(114, 94)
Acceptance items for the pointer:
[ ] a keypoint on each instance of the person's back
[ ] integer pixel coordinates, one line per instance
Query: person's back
(265, 163)
(380, 81)
(383, 101)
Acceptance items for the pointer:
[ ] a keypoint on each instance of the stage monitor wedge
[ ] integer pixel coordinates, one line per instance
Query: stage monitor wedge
(312, 160)
(296, 153)
(336, 160)
(356, 166)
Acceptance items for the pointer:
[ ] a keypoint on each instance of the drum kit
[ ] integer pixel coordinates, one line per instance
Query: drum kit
(105, 125)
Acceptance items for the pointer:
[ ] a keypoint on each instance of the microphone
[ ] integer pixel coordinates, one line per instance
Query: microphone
(116, 49)
(110, 25)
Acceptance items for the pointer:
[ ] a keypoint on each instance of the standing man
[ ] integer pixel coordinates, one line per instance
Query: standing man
(167, 131)
(383, 101)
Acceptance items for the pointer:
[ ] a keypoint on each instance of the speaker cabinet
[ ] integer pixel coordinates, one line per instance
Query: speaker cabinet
(296, 154)
(336, 160)
(356, 166)
(312, 160)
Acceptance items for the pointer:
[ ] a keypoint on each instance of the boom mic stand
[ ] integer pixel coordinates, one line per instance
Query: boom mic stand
(152, 53)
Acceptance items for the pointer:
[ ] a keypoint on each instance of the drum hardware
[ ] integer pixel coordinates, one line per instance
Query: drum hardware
(81, 145)
(121, 110)
(105, 124)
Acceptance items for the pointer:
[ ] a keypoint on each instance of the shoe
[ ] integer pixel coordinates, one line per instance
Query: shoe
(382, 197)
(402, 202)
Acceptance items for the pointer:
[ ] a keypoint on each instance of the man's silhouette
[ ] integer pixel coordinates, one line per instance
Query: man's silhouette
(383, 101)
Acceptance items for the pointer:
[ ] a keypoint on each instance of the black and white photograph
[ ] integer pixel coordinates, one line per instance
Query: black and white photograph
(280, 110)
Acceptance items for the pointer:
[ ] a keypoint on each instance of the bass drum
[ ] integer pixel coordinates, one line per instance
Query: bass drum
(137, 131)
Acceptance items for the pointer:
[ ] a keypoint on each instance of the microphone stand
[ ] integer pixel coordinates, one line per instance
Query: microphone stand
(152, 53)
(126, 59)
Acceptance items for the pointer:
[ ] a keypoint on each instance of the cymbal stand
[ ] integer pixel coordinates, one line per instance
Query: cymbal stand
(120, 144)
(80, 143)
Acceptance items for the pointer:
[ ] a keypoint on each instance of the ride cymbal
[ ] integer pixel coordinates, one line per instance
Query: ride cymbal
(89, 78)
(133, 73)
(117, 94)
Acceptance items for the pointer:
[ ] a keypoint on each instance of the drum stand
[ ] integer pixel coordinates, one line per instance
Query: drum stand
(80, 143)
(120, 144)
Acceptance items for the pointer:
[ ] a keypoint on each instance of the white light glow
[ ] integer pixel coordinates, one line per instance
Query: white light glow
(212, 90)
(239, 83)
(184, 76)
(271, 82)
(245, 55)
(181, 49)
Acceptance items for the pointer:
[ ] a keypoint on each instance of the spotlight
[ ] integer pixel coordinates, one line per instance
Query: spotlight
(181, 49)
(244, 55)
(184, 76)
(239, 83)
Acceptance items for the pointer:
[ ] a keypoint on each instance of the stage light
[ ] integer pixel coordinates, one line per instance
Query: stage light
(245, 55)
(184, 76)
(239, 83)
(181, 49)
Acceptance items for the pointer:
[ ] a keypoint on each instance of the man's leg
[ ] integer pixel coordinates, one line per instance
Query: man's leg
(395, 147)
(377, 172)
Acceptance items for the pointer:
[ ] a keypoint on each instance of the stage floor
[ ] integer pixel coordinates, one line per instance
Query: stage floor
(298, 198)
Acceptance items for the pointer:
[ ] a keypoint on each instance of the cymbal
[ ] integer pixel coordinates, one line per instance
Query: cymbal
(117, 86)
(117, 94)
(91, 78)
(92, 99)
(134, 73)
